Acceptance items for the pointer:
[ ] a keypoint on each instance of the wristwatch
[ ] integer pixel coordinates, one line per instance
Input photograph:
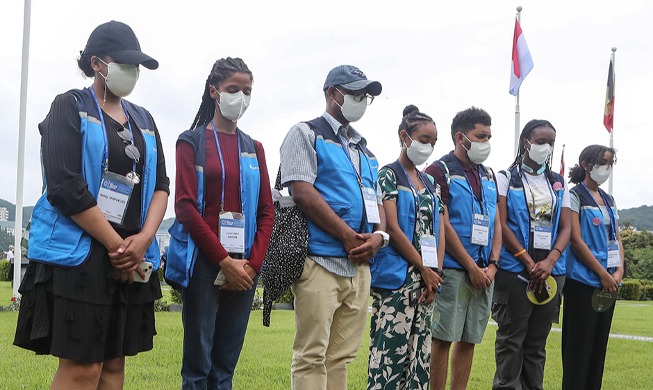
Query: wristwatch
(386, 237)
(496, 263)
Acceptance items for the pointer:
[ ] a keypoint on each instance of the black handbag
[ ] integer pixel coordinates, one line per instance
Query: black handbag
(285, 257)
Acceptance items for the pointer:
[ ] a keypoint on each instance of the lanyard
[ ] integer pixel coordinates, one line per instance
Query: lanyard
(613, 222)
(359, 177)
(548, 186)
(224, 171)
(104, 132)
(418, 213)
(483, 194)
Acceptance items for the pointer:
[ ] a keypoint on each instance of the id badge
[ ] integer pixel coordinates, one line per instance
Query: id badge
(371, 205)
(614, 258)
(232, 232)
(113, 197)
(429, 251)
(542, 234)
(481, 230)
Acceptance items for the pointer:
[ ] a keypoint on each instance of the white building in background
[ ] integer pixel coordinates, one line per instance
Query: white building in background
(8, 226)
(163, 238)
(4, 214)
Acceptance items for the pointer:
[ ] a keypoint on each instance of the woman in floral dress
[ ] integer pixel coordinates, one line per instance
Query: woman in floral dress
(406, 274)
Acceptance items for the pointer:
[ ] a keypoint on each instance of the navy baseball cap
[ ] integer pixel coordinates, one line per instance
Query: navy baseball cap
(118, 40)
(352, 79)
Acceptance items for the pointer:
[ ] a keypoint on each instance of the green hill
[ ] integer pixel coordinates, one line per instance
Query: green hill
(27, 211)
(640, 217)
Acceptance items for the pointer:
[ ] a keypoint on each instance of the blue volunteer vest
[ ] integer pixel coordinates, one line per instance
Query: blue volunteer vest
(462, 207)
(338, 184)
(57, 239)
(182, 251)
(519, 220)
(594, 236)
(388, 268)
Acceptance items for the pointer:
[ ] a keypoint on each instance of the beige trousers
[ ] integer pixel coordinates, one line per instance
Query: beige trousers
(330, 319)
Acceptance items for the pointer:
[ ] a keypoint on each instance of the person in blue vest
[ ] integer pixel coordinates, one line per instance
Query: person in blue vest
(406, 274)
(473, 244)
(595, 269)
(224, 218)
(535, 212)
(332, 177)
(92, 233)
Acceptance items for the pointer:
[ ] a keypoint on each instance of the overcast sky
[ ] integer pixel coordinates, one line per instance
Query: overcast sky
(441, 56)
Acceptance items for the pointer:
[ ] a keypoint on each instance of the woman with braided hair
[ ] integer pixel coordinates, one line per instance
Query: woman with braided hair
(534, 211)
(224, 217)
(407, 274)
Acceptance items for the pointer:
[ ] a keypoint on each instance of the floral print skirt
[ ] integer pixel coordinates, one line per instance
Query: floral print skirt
(400, 338)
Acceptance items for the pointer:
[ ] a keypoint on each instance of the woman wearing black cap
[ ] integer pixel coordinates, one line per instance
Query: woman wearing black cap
(92, 232)
(534, 210)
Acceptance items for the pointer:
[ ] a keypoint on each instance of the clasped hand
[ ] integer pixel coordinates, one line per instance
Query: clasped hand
(239, 275)
(361, 247)
(129, 255)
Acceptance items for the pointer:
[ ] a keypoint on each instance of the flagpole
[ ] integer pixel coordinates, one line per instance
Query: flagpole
(18, 230)
(519, 8)
(614, 83)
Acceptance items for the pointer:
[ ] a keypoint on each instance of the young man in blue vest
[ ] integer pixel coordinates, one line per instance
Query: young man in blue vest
(333, 179)
(473, 244)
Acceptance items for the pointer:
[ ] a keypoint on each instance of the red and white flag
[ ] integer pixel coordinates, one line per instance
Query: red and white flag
(522, 62)
(562, 162)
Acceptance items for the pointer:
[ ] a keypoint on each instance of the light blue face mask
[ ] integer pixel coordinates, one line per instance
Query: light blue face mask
(530, 170)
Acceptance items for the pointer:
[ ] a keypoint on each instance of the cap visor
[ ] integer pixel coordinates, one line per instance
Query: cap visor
(372, 87)
(134, 57)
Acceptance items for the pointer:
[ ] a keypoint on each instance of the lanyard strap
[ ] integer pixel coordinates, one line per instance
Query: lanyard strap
(530, 189)
(345, 148)
(418, 213)
(224, 171)
(104, 131)
(613, 227)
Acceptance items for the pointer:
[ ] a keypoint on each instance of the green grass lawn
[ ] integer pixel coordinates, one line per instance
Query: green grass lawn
(265, 360)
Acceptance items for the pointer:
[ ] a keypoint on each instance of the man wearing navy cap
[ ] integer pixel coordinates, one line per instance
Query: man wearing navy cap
(332, 177)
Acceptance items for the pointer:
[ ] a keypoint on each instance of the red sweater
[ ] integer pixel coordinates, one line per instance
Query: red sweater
(204, 231)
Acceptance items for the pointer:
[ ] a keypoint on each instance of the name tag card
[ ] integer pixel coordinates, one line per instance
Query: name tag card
(371, 205)
(614, 258)
(481, 230)
(232, 232)
(113, 197)
(429, 251)
(542, 234)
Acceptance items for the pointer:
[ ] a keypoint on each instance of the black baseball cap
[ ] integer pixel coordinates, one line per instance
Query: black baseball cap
(116, 39)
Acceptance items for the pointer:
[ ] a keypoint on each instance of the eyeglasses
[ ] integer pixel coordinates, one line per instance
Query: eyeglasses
(359, 96)
(130, 149)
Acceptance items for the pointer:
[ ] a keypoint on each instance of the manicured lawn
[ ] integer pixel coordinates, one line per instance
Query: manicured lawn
(266, 356)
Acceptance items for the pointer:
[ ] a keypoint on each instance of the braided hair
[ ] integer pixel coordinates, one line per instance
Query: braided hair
(591, 155)
(412, 118)
(222, 70)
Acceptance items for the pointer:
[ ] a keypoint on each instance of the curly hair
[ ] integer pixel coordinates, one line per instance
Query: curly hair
(466, 120)
(412, 119)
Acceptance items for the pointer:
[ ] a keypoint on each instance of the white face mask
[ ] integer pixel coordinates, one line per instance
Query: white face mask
(351, 109)
(478, 151)
(232, 105)
(121, 78)
(418, 152)
(601, 173)
(539, 153)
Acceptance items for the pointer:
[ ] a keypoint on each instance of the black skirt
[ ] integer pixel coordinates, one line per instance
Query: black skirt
(82, 314)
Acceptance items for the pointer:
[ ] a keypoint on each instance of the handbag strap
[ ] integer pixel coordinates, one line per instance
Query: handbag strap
(277, 183)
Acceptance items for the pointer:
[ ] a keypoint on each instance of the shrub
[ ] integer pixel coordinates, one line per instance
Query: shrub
(286, 297)
(631, 290)
(4, 270)
(160, 305)
(647, 290)
(175, 295)
(257, 304)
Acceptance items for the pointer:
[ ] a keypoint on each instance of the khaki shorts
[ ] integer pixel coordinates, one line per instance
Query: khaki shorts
(461, 312)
